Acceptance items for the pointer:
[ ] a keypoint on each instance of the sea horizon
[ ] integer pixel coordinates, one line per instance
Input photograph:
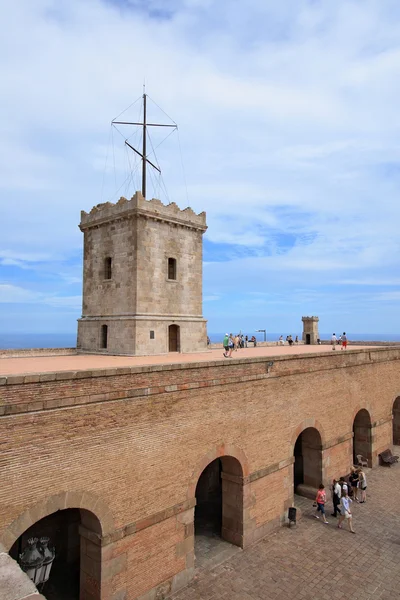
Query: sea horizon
(20, 341)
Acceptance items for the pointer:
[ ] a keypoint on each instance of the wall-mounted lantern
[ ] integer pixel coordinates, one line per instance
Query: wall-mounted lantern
(37, 559)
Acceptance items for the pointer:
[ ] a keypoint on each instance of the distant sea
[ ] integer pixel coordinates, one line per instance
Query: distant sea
(68, 340)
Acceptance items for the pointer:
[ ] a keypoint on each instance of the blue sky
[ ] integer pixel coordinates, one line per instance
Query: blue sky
(289, 132)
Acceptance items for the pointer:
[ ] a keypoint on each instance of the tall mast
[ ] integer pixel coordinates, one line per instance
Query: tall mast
(142, 154)
(144, 161)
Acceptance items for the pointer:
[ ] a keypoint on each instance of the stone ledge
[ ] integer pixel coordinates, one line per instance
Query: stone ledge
(14, 583)
(330, 362)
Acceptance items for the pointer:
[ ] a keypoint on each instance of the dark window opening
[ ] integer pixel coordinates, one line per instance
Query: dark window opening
(108, 267)
(152, 335)
(171, 268)
(104, 336)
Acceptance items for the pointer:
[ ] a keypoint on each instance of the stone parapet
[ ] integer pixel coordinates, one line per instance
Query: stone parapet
(25, 352)
(139, 206)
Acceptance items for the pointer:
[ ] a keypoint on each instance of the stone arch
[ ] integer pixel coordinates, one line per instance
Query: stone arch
(357, 409)
(315, 424)
(396, 421)
(76, 523)
(362, 435)
(87, 501)
(228, 450)
(218, 486)
(308, 462)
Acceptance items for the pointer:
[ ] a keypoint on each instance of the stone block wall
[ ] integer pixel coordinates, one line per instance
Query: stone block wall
(139, 237)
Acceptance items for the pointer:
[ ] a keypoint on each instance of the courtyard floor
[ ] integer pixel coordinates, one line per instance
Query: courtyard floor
(313, 561)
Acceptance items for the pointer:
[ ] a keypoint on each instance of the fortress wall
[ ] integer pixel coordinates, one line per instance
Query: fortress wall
(138, 438)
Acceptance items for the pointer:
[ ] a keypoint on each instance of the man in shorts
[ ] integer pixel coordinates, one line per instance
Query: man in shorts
(344, 341)
(225, 344)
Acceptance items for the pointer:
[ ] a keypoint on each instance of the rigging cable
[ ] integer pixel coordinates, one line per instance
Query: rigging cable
(183, 168)
(105, 165)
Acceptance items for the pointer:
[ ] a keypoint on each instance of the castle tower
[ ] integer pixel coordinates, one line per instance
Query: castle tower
(142, 278)
(310, 330)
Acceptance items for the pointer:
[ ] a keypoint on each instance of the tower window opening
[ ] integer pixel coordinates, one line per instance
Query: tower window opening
(108, 267)
(104, 336)
(172, 268)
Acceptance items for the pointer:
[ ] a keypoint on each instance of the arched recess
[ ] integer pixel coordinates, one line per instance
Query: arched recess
(217, 485)
(75, 523)
(362, 436)
(396, 422)
(76, 571)
(307, 468)
(219, 501)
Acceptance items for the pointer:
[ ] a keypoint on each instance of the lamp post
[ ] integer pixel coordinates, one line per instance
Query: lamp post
(264, 331)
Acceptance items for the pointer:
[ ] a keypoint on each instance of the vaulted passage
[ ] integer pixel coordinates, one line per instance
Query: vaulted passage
(362, 439)
(219, 509)
(396, 422)
(307, 461)
(75, 571)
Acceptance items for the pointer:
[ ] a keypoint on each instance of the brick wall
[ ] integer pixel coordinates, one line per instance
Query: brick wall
(129, 445)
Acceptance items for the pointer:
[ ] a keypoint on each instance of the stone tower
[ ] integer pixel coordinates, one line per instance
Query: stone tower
(142, 278)
(310, 330)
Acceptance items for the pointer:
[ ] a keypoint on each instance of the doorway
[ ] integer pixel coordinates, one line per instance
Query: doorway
(362, 439)
(174, 338)
(218, 517)
(307, 468)
(308, 338)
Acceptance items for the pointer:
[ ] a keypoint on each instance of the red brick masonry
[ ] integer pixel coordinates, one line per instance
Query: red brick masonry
(127, 444)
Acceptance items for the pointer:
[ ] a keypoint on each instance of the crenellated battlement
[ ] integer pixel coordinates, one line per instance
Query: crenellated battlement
(154, 208)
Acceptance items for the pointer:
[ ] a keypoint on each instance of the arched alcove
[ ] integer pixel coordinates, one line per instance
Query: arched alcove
(76, 570)
(362, 438)
(307, 468)
(219, 505)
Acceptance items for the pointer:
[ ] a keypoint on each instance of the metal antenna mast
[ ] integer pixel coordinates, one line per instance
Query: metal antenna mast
(142, 154)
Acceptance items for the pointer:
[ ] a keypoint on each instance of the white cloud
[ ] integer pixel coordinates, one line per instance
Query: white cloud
(12, 294)
(289, 126)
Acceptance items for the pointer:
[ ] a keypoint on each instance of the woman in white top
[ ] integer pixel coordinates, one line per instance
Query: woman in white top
(345, 512)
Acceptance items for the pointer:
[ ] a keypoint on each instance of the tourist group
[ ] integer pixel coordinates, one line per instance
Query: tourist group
(343, 494)
(234, 342)
(342, 341)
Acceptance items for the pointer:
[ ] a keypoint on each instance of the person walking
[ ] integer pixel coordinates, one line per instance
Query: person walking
(363, 486)
(336, 495)
(343, 486)
(345, 512)
(246, 341)
(354, 481)
(225, 344)
(344, 341)
(236, 342)
(320, 500)
(231, 345)
(333, 341)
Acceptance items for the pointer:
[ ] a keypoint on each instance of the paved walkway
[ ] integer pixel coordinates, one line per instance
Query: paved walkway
(78, 362)
(312, 561)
